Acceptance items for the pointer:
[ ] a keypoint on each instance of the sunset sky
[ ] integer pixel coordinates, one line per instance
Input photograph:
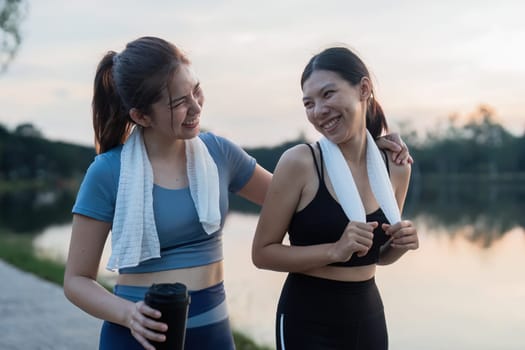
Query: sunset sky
(428, 59)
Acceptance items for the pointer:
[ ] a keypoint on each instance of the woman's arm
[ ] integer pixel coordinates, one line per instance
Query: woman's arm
(268, 251)
(81, 288)
(292, 174)
(256, 188)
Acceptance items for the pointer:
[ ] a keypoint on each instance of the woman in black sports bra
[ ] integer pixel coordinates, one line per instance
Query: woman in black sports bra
(330, 299)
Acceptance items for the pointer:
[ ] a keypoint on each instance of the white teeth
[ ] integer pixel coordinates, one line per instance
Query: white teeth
(190, 122)
(329, 124)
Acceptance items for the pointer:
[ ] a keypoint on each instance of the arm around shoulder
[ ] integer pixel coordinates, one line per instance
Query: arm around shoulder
(256, 188)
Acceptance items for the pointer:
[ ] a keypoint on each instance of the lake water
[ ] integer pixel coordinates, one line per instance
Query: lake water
(463, 289)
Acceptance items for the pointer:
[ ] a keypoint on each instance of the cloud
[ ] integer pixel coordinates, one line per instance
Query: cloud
(428, 59)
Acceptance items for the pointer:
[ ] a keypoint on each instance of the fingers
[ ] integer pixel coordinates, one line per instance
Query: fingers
(143, 334)
(362, 245)
(356, 239)
(403, 156)
(362, 251)
(387, 144)
(373, 224)
(144, 327)
(403, 235)
(406, 242)
(362, 235)
(393, 142)
(365, 238)
(391, 229)
(148, 311)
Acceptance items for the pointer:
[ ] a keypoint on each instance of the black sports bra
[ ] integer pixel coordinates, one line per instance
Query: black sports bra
(323, 221)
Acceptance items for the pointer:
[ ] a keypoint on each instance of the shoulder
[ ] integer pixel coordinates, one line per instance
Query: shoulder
(394, 168)
(207, 136)
(219, 144)
(213, 140)
(398, 170)
(294, 170)
(399, 173)
(107, 163)
(297, 158)
(112, 156)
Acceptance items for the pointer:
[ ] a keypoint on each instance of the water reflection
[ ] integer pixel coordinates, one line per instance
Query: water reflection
(31, 211)
(482, 212)
(479, 210)
(460, 290)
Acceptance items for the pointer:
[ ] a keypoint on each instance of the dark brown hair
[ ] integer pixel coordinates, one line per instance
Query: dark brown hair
(134, 78)
(351, 68)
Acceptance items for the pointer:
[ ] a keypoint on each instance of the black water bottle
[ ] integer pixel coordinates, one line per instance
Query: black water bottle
(172, 300)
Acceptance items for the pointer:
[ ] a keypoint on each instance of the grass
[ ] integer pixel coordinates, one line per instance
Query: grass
(18, 251)
(19, 185)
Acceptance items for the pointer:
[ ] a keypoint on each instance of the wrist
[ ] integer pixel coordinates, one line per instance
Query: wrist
(332, 254)
(127, 315)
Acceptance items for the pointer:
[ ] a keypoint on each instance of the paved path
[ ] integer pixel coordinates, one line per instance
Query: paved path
(35, 315)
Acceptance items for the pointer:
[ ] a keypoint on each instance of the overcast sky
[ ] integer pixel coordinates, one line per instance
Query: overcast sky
(429, 59)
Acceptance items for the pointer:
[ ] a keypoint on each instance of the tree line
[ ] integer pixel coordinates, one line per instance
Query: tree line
(480, 147)
(481, 155)
(26, 156)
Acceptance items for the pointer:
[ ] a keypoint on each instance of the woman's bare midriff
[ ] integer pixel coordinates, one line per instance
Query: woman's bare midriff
(195, 278)
(345, 274)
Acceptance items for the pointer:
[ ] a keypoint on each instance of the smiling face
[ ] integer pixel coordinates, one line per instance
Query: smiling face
(335, 108)
(177, 113)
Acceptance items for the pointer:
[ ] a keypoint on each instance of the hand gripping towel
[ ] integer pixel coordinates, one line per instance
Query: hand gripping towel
(344, 184)
(134, 235)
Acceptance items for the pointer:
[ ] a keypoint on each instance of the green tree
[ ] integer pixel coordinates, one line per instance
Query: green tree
(12, 12)
(479, 146)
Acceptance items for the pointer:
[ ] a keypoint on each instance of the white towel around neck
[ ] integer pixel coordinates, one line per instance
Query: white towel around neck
(345, 187)
(134, 235)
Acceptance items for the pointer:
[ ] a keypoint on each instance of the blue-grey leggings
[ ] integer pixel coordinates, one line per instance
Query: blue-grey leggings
(208, 326)
(316, 313)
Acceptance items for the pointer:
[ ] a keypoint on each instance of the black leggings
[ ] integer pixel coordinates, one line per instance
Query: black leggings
(316, 313)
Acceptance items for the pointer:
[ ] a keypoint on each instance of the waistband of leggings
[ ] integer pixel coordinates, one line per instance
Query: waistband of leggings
(207, 306)
(307, 281)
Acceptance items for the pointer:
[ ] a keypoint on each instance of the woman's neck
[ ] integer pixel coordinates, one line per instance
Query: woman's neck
(168, 161)
(163, 149)
(354, 149)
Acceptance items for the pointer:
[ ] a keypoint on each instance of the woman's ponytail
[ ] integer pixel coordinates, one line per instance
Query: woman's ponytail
(111, 122)
(375, 118)
(135, 78)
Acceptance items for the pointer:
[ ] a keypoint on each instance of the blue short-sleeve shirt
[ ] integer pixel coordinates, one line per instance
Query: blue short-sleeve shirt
(183, 241)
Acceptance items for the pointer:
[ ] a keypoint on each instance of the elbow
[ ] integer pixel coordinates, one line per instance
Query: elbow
(258, 259)
(67, 288)
(68, 295)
